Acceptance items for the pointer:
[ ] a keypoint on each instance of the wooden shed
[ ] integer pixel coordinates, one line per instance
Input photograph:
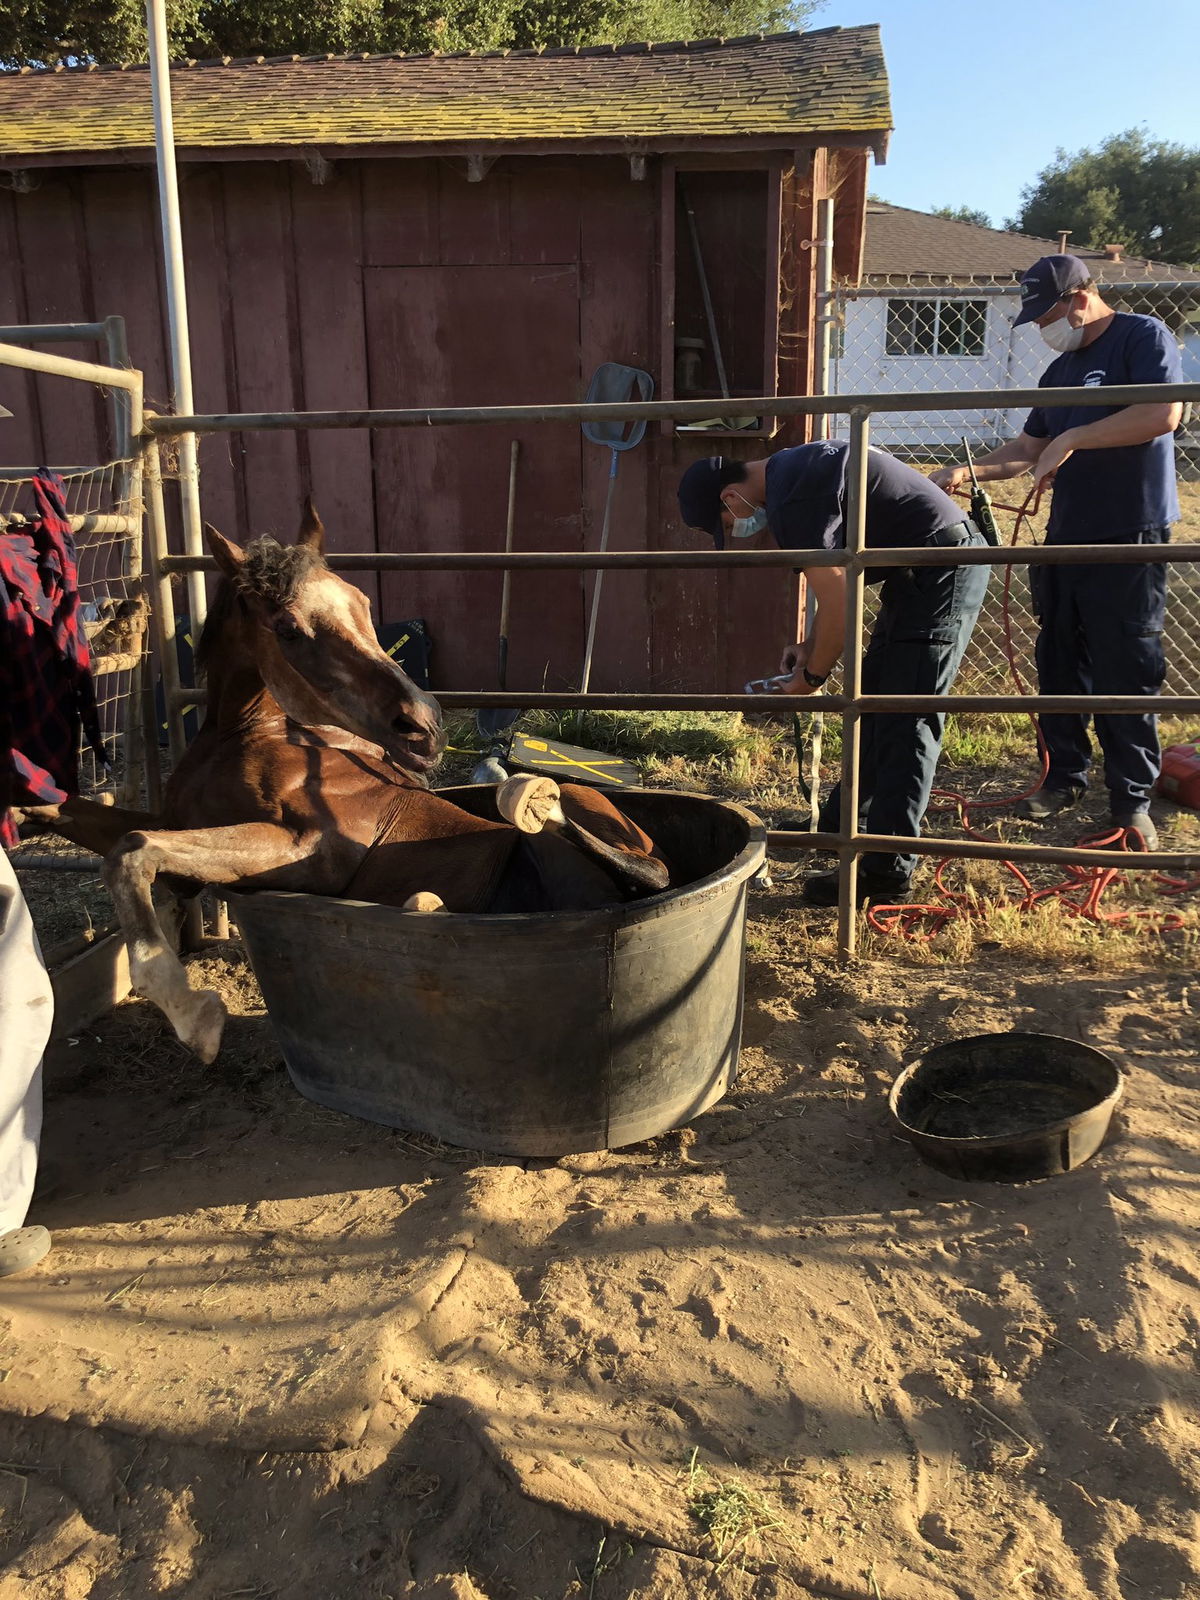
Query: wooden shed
(453, 230)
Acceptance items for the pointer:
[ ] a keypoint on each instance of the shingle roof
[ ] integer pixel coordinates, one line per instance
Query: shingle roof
(831, 80)
(914, 245)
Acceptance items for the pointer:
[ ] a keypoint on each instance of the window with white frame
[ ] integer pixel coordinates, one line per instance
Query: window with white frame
(935, 327)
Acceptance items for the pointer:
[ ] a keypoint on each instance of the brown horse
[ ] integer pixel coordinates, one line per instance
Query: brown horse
(310, 774)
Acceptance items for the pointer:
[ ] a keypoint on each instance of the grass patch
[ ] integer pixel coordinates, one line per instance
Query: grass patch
(737, 1520)
(754, 760)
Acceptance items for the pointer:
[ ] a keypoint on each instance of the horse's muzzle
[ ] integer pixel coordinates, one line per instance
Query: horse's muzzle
(417, 736)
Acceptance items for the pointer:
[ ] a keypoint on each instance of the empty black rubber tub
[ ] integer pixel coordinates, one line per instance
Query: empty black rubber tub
(1007, 1107)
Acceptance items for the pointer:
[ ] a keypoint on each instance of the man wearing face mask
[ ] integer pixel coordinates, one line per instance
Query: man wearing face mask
(796, 500)
(1113, 472)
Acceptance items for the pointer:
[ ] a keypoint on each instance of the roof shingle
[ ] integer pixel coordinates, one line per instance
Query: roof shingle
(914, 245)
(831, 80)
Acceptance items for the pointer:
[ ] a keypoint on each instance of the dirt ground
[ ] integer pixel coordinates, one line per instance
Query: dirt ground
(277, 1352)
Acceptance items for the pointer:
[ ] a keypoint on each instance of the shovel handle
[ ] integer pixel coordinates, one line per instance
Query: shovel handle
(585, 677)
(506, 584)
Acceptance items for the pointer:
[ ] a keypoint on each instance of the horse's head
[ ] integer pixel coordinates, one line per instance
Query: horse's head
(316, 648)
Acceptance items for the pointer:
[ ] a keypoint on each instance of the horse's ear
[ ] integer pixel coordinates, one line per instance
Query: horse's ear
(230, 557)
(312, 529)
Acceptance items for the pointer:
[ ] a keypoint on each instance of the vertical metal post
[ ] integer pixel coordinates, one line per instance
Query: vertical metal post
(856, 527)
(162, 598)
(177, 318)
(824, 314)
(125, 425)
(824, 308)
(163, 612)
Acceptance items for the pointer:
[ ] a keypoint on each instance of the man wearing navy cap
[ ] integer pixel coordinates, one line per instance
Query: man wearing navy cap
(796, 499)
(1113, 471)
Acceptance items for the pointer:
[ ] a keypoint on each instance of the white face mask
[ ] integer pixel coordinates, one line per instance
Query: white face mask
(1061, 336)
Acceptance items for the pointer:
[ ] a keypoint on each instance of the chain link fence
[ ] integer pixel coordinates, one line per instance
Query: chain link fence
(61, 882)
(901, 336)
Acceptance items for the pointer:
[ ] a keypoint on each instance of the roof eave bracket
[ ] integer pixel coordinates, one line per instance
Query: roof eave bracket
(478, 167)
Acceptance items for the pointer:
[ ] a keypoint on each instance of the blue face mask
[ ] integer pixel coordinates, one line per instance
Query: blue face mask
(747, 527)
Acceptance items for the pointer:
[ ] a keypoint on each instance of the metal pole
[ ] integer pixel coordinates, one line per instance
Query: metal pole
(177, 318)
(51, 332)
(989, 850)
(1179, 705)
(824, 308)
(1127, 394)
(14, 355)
(163, 612)
(856, 529)
(688, 560)
(162, 600)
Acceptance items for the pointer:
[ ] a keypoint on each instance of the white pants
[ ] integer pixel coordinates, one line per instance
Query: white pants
(26, 1011)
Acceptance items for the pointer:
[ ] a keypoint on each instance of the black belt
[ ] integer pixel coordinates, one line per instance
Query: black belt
(960, 533)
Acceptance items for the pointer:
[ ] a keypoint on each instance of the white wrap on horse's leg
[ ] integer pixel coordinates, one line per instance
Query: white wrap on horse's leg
(26, 1012)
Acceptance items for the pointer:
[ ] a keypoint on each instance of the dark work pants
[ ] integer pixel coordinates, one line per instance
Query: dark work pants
(926, 616)
(1101, 633)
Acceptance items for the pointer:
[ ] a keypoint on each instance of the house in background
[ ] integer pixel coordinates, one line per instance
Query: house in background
(461, 230)
(934, 310)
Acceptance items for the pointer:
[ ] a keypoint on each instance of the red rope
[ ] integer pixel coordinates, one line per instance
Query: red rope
(1079, 893)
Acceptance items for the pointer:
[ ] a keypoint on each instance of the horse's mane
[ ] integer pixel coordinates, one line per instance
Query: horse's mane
(272, 574)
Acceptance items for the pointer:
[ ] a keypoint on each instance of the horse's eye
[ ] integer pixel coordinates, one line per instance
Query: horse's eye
(286, 629)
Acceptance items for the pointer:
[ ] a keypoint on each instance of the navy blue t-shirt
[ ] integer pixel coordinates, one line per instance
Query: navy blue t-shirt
(806, 500)
(1111, 495)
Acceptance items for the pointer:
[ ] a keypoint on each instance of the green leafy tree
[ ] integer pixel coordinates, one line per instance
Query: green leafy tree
(1133, 190)
(980, 219)
(34, 32)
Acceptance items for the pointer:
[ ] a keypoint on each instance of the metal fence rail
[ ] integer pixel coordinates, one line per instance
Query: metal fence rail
(148, 429)
(851, 704)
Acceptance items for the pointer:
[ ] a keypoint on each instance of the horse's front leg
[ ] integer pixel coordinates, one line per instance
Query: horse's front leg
(262, 854)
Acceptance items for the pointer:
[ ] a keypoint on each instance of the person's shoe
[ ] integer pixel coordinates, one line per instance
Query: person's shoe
(1142, 821)
(21, 1248)
(1045, 803)
(822, 890)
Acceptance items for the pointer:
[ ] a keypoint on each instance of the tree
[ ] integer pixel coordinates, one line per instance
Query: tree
(1133, 190)
(979, 219)
(38, 32)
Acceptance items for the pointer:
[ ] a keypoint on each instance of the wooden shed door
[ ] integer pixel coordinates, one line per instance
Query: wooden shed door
(484, 335)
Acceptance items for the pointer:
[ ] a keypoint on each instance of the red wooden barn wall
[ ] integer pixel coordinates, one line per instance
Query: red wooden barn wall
(399, 283)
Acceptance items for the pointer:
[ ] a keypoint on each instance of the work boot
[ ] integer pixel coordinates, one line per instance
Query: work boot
(22, 1248)
(822, 890)
(1142, 822)
(1045, 803)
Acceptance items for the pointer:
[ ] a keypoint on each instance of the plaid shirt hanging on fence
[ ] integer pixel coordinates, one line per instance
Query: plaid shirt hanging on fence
(45, 672)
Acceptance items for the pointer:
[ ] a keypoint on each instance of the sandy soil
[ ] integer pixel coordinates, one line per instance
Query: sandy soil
(280, 1353)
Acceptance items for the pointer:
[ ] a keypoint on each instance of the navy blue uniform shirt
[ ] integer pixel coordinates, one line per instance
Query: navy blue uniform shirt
(806, 500)
(1111, 495)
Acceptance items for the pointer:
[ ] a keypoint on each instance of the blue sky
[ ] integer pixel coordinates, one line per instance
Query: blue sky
(983, 95)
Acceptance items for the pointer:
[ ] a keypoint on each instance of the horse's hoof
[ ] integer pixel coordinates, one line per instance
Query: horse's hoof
(424, 901)
(529, 802)
(205, 1026)
(43, 816)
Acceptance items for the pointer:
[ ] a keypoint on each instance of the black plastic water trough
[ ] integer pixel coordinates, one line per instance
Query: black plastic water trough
(1007, 1107)
(539, 1035)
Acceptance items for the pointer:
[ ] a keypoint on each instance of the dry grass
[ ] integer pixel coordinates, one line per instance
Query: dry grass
(759, 762)
(739, 1521)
